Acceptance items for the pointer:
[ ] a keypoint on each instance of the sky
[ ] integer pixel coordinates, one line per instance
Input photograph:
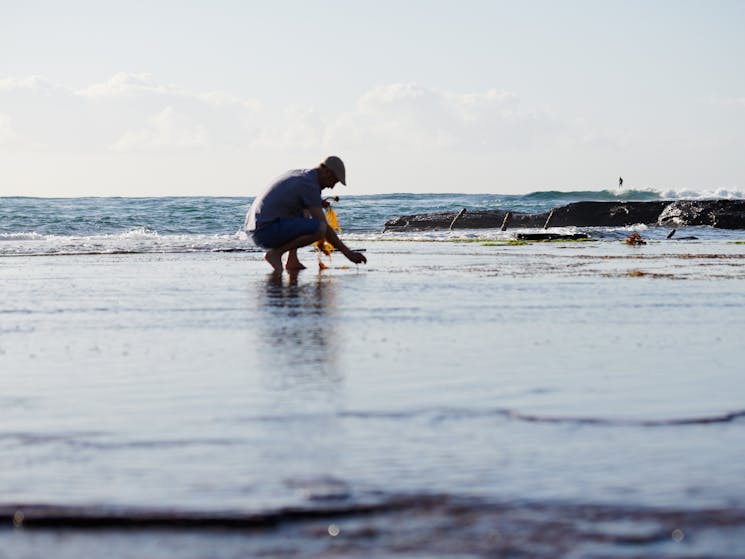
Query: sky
(170, 98)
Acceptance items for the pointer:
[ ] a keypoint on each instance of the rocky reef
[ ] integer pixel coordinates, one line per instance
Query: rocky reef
(725, 214)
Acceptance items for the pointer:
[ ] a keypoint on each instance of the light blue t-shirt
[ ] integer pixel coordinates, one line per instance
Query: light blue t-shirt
(288, 196)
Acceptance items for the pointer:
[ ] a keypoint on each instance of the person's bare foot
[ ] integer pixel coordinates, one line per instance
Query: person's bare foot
(275, 260)
(293, 264)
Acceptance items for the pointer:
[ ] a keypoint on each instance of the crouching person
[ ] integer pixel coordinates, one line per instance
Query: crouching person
(289, 215)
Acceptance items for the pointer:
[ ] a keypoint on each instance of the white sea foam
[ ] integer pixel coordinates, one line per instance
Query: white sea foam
(22, 236)
(137, 233)
(689, 194)
(136, 240)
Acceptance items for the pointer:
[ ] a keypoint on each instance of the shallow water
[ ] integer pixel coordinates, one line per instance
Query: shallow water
(548, 374)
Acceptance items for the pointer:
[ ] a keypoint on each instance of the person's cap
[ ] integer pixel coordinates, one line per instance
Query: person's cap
(336, 166)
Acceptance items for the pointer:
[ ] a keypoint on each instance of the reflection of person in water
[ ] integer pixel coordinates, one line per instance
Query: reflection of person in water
(298, 336)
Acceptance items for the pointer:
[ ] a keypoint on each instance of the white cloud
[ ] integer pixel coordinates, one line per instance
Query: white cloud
(130, 86)
(125, 85)
(400, 97)
(118, 113)
(581, 134)
(407, 116)
(296, 128)
(36, 84)
(392, 116)
(410, 116)
(398, 117)
(167, 131)
(426, 136)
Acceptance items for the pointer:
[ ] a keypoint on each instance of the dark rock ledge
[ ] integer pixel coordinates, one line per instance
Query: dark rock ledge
(725, 214)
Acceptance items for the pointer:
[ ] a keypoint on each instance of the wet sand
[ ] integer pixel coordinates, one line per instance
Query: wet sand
(434, 526)
(446, 400)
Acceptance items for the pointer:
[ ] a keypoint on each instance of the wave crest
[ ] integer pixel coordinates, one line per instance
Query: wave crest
(634, 195)
(594, 195)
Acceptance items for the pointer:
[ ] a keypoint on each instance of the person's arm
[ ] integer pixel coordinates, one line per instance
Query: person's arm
(333, 238)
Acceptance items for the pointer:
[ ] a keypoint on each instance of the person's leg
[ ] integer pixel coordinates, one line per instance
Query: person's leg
(275, 260)
(274, 255)
(293, 264)
(287, 235)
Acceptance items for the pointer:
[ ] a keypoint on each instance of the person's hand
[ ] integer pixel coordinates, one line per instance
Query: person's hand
(325, 202)
(356, 257)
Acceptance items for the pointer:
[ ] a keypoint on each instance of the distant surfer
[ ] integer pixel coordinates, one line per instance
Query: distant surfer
(620, 183)
(289, 215)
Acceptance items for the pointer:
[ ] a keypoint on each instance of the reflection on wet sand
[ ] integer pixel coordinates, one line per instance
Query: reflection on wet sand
(298, 330)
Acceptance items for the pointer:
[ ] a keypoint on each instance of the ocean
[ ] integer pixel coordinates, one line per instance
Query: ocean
(460, 395)
(39, 226)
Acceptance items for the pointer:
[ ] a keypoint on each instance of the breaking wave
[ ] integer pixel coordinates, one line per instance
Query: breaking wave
(634, 195)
